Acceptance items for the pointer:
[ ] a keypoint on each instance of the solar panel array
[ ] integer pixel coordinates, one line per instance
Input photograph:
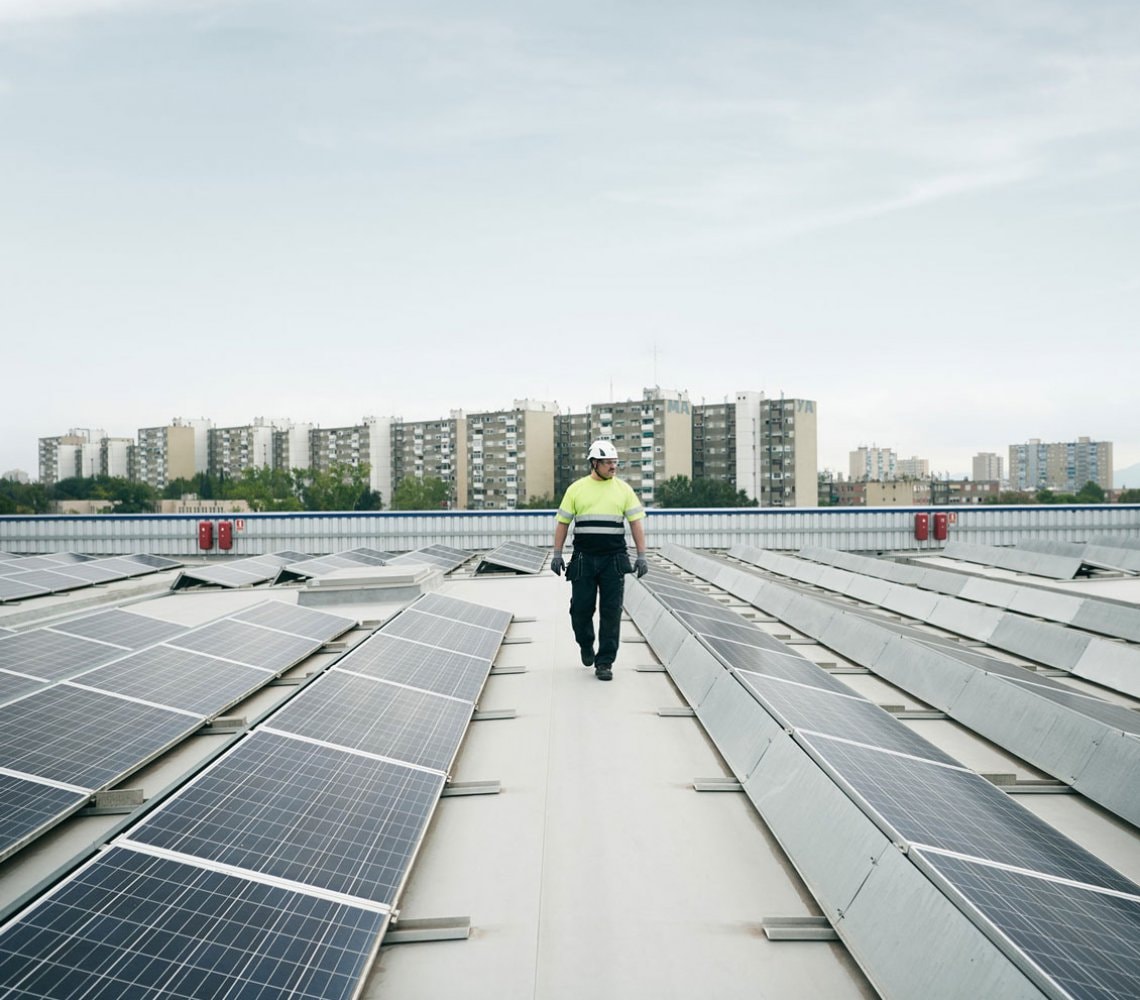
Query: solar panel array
(443, 557)
(351, 559)
(512, 557)
(965, 829)
(1054, 567)
(275, 871)
(247, 572)
(36, 576)
(1113, 557)
(83, 713)
(1065, 608)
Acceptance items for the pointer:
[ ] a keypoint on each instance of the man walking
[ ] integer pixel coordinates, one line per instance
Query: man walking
(598, 505)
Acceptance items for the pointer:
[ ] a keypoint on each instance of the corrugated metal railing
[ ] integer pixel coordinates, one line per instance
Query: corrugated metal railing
(860, 529)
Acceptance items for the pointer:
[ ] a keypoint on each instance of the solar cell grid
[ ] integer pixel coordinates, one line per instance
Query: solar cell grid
(247, 643)
(14, 590)
(178, 678)
(1087, 942)
(464, 611)
(405, 662)
(771, 663)
(1117, 716)
(13, 685)
(28, 807)
(51, 655)
(93, 572)
(296, 620)
(49, 579)
(958, 810)
(151, 561)
(316, 815)
(445, 634)
(132, 925)
(516, 556)
(361, 713)
(85, 738)
(798, 707)
(120, 627)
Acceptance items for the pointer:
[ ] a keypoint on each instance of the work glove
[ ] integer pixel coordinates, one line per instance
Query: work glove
(558, 565)
(640, 566)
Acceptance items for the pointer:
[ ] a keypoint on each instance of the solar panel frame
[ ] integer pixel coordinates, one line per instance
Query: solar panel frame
(1084, 942)
(445, 633)
(244, 642)
(513, 556)
(320, 626)
(123, 628)
(464, 611)
(954, 809)
(404, 661)
(362, 713)
(86, 738)
(53, 655)
(13, 686)
(131, 924)
(31, 808)
(294, 809)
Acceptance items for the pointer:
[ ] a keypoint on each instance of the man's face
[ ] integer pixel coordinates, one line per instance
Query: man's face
(604, 468)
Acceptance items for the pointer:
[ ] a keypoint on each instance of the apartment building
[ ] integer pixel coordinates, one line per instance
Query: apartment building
(292, 445)
(571, 445)
(117, 457)
(432, 448)
(714, 442)
(59, 457)
(873, 464)
(913, 468)
(164, 454)
(368, 442)
(987, 466)
(1064, 466)
(896, 493)
(653, 436)
(510, 455)
(232, 450)
(788, 453)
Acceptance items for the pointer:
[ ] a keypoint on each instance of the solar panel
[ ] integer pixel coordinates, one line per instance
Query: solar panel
(13, 685)
(296, 620)
(405, 662)
(237, 572)
(770, 663)
(445, 634)
(362, 713)
(54, 561)
(845, 716)
(49, 579)
(179, 678)
(247, 643)
(512, 556)
(292, 809)
(120, 627)
(85, 738)
(132, 925)
(30, 807)
(443, 556)
(1087, 942)
(51, 655)
(464, 611)
(954, 809)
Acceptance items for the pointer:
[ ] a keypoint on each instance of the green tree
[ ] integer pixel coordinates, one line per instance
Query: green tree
(1130, 496)
(1012, 497)
(429, 493)
(23, 498)
(343, 487)
(129, 496)
(680, 491)
(1090, 493)
(544, 502)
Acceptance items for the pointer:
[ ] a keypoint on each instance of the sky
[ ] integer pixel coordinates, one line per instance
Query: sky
(924, 217)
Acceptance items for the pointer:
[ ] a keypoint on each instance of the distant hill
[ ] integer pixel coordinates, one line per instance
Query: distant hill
(1129, 476)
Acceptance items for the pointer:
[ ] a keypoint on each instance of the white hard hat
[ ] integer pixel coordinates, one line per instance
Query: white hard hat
(602, 449)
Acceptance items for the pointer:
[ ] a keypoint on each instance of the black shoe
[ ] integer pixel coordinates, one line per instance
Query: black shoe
(603, 672)
(587, 657)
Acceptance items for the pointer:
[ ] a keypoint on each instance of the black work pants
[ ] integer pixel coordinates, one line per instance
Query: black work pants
(598, 581)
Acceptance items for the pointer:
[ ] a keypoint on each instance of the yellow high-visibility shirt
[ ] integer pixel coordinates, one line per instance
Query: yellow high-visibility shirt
(599, 509)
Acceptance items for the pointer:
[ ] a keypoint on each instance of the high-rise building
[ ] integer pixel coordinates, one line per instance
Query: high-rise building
(510, 455)
(235, 449)
(369, 442)
(117, 457)
(789, 471)
(912, 468)
(873, 464)
(714, 442)
(987, 467)
(431, 448)
(1060, 465)
(571, 445)
(164, 454)
(75, 453)
(292, 448)
(653, 436)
